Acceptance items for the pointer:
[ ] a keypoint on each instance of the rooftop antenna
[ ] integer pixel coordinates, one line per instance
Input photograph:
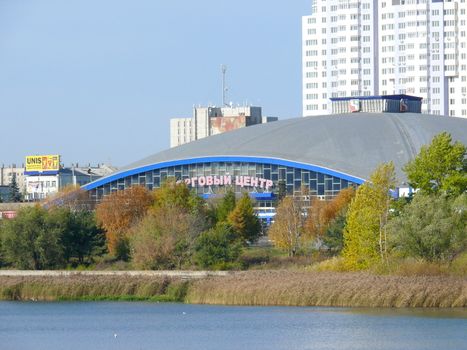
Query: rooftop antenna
(224, 87)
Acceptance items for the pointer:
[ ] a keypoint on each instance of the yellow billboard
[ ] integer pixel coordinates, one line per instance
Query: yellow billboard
(42, 163)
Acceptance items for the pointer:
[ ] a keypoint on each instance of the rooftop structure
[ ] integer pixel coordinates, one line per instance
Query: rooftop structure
(377, 104)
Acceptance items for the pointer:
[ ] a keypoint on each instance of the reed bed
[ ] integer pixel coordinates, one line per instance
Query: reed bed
(294, 288)
(264, 287)
(88, 287)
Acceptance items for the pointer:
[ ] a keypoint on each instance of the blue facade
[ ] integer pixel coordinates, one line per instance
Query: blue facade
(286, 176)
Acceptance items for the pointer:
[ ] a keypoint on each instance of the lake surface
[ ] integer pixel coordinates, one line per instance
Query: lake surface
(119, 325)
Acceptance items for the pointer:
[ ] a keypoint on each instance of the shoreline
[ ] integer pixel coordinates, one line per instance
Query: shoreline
(252, 288)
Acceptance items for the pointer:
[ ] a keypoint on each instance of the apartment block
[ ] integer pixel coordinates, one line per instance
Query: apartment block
(368, 47)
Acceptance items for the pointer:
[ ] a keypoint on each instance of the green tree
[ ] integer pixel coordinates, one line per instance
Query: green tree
(431, 227)
(218, 247)
(172, 194)
(244, 220)
(282, 190)
(48, 239)
(32, 241)
(226, 206)
(365, 236)
(333, 237)
(15, 194)
(440, 167)
(82, 238)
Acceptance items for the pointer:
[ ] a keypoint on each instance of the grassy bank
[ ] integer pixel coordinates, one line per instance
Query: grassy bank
(250, 288)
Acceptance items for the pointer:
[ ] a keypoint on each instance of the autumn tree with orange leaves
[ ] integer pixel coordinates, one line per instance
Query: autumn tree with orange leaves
(329, 229)
(118, 212)
(322, 213)
(295, 226)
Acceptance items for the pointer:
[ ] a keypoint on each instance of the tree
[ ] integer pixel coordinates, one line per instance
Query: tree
(440, 167)
(83, 238)
(218, 247)
(172, 194)
(282, 190)
(318, 216)
(332, 220)
(244, 220)
(322, 213)
(2, 259)
(431, 227)
(226, 206)
(287, 232)
(333, 238)
(328, 218)
(32, 241)
(365, 237)
(165, 238)
(47, 239)
(118, 212)
(15, 194)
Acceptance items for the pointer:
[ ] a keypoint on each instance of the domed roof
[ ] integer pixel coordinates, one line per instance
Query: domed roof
(352, 144)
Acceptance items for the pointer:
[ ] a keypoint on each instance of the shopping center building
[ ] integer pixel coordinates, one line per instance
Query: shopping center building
(318, 155)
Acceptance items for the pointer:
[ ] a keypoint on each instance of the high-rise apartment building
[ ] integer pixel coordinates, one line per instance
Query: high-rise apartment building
(369, 47)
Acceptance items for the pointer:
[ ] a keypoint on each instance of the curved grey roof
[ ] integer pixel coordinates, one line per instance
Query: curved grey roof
(352, 144)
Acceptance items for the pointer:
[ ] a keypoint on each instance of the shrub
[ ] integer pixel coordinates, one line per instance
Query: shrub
(218, 248)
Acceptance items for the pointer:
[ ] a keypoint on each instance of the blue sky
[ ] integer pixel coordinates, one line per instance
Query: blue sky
(98, 80)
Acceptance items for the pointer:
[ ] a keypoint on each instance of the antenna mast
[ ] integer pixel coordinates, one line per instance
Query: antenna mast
(224, 87)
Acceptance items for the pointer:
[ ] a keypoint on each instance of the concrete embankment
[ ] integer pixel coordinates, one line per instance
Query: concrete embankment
(238, 288)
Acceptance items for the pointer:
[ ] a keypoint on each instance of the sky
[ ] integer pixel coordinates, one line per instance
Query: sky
(97, 81)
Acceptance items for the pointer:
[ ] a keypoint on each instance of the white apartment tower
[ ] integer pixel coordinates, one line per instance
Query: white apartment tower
(339, 52)
(419, 47)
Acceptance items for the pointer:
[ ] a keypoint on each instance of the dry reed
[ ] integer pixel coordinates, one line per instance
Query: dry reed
(292, 288)
(329, 289)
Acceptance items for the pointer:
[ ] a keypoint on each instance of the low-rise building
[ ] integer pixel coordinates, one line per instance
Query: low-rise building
(6, 175)
(207, 121)
(39, 186)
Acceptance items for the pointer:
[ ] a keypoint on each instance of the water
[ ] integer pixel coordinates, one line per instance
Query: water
(118, 325)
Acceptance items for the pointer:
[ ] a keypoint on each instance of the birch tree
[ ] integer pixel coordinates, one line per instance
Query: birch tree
(365, 236)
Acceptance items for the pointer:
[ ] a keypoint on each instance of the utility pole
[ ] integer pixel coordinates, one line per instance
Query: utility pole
(224, 87)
